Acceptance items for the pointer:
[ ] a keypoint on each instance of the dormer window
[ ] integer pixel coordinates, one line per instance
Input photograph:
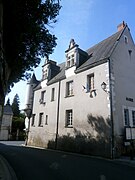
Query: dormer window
(70, 61)
(44, 74)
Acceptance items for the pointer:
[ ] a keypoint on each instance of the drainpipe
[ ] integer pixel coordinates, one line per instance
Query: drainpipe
(111, 111)
(57, 125)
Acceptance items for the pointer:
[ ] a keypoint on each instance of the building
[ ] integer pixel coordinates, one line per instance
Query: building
(6, 125)
(87, 103)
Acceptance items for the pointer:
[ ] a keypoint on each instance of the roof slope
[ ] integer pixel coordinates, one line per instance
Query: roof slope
(60, 75)
(102, 50)
(96, 55)
(34, 80)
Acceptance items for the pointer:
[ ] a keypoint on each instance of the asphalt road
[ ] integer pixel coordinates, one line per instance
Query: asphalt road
(37, 164)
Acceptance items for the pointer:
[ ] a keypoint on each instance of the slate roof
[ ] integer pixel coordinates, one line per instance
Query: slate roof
(60, 75)
(97, 54)
(34, 80)
(101, 51)
(8, 110)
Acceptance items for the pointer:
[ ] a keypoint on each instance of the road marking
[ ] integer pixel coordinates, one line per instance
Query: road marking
(102, 177)
(64, 156)
(54, 165)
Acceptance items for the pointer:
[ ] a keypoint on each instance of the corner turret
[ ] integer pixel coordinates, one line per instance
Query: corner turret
(31, 84)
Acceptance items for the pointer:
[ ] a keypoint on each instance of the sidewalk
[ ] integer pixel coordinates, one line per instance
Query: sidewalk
(6, 171)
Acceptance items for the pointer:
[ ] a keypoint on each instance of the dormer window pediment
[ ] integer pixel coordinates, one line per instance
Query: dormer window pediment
(71, 54)
(72, 44)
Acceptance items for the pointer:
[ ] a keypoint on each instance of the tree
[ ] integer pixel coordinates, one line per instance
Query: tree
(15, 106)
(26, 38)
(18, 122)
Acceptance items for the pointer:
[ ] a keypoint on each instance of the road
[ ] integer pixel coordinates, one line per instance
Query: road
(38, 164)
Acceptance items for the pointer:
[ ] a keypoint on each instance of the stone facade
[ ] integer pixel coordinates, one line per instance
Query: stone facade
(85, 105)
(6, 125)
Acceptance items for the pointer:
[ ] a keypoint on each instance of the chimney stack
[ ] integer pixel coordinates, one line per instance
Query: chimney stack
(121, 26)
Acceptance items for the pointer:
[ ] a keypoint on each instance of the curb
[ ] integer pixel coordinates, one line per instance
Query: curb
(6, 171)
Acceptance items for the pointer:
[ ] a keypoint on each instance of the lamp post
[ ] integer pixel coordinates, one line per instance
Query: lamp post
(28, 112)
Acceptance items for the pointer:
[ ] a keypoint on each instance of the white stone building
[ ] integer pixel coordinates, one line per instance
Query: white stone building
(86, 103)
(6, 126)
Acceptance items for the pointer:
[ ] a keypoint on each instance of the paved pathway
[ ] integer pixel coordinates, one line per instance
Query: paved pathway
(36, 164)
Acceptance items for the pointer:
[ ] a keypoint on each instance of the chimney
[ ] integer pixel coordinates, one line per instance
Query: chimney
(121, 26)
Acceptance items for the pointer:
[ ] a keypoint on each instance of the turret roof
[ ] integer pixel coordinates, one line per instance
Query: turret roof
(8, 110)
(34, 80)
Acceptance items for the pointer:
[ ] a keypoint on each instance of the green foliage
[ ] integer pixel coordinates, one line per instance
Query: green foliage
(18, 121)
(15, 106)
(18, 124)
(26, 35)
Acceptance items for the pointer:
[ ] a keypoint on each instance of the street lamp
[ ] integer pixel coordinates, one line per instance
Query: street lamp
(28, 112)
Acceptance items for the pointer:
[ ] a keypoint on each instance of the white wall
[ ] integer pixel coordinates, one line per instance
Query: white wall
(81, 104)
(123, 68)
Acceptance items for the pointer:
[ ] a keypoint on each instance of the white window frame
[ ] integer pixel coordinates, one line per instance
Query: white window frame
(131, 121)
(90, 82)
(70, 60)
(126, 117)
(46, 119)
(53, 94)
(69, 118)
(33, 120)
(41, 117)
(133, 117)
(69, 88)
(42, 99)
(45, 74)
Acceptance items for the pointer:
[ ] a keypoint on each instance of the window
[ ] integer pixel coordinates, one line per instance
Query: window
(69, 118)
(126, 117)
(126, 39)
(33, 120)
(70, 61)
(40, 119)
(42, 100)
(46, 120)
(53, 94)
(44, 74)
(90, 82)
(130, 52)
(133, 117)
(69, 88)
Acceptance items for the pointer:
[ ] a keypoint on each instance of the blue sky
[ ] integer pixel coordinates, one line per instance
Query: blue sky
(87, 22)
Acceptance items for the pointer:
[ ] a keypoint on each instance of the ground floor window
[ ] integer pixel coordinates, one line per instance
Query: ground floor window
(40, 119)
(69, 118)
(46, 120)
(126, 117)
(33, 120)
(129, 116)
(133, 117)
